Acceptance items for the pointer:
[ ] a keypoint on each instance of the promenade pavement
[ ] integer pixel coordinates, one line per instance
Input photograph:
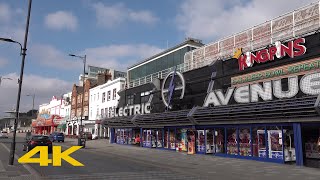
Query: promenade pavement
(206, 165)
(16, 171)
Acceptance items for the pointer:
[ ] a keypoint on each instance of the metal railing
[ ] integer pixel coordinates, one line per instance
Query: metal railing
(298, 23)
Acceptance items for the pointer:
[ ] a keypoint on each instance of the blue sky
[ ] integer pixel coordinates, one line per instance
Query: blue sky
(114, 34)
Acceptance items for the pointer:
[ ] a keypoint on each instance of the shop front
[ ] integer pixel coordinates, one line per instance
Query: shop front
(262, 105)
(46, 124)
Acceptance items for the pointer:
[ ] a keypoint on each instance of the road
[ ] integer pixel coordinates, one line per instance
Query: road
(111, 161)
(100, 166)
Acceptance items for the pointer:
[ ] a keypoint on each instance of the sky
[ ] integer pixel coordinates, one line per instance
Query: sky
(113, 34)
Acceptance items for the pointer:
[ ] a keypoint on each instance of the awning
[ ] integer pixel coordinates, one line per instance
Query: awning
(284, 110)
(62, 126)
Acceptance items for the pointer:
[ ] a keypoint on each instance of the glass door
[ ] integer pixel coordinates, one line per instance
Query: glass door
(210, 140)
(201, 148)
(159, 138)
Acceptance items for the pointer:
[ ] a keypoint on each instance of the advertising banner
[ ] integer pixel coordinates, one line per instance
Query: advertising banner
(243, 40)
(306, 19)
(261, 35)
(226, 47)
(282, 27)
(211, 52)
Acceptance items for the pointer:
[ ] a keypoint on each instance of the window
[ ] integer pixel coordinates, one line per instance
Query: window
(102, 112)
(97, 112)
(98, 97)
(91, 113)
(73, 101)
(103, 97)
(145, 96)
(130, 99)
(94, 98)
(114, 94)
(91, 97)
(109, 113)
(86, 96)
(109, 96)
(105, 112)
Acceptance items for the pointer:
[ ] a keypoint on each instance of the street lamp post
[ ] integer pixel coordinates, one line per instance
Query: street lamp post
(84, 58)
(23, 54)
(33, 96)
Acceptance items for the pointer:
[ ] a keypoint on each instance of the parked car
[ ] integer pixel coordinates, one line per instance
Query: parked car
(87, 135)
(3, 135)
(57, 136)
(37, 140)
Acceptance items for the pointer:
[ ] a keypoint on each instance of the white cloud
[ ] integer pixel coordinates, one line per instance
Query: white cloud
(211, 20)
(12, 22)
(3, 62)
(113, 56)
(50, 56)
(61, 20)
(5, 13)
(111, 16)
(120, 56)
(43, 88)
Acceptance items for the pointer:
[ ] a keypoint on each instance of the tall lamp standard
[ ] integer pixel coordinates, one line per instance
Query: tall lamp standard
(84, 58)
(23, 54)
(33, 96)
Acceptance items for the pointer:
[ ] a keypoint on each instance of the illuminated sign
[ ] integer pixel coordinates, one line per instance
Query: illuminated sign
(172, 88)
(293, 49)
(132, 110)
(309, 84)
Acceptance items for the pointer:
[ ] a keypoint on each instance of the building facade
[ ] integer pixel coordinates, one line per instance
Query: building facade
(79, 111)
(253, 95)
(103, 100)
(154, 67)
(50, 117)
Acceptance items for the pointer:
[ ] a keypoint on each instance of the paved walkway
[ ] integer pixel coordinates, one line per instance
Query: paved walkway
(16, 171)
(206, 165)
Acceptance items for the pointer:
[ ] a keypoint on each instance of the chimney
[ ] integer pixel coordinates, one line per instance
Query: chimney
(103, 77)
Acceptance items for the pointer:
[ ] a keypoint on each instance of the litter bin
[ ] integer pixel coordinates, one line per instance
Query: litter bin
(82, 142)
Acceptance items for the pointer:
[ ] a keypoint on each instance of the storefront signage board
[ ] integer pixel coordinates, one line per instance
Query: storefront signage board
(279, 72)
(309, 84)
(292, 49)
(132, 110)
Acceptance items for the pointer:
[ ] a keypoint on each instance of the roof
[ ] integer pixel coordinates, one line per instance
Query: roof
(189, 41)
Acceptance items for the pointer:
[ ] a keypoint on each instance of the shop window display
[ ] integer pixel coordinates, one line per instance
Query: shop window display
(275, 142)
(166, 138)
(159, 138)
(209, 144)
(219, 140)
(144, 138)
(232, 141)
(259, 142)
(244, 142)
(118, 136)
(191, 136)
(125, 136)
(153, 138)
(312, 143)
(200, 141)
(289, 147)
(172, 139)
(181, 139)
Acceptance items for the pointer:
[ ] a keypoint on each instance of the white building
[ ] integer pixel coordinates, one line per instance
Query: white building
(58, 107)
(103, 99)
